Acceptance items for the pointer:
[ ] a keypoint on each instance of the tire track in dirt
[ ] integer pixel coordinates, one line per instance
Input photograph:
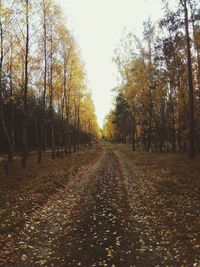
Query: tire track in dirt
(87, 223)
(37, 242)
(101, 234)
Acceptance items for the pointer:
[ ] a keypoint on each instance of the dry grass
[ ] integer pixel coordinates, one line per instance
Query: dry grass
(177, 164)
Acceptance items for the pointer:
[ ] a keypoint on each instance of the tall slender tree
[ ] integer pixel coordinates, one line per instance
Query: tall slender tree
(190, 83)
(25, 91)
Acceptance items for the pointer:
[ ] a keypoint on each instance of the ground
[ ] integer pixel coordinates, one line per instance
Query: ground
(107, 206)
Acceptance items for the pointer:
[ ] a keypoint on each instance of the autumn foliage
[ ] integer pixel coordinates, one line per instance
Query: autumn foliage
(157, 106)
(44, 99)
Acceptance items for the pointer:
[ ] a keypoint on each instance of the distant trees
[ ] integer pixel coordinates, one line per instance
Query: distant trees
(43, 93)
(160, 82)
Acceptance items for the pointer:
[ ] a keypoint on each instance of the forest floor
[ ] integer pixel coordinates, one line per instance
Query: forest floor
(107, 206)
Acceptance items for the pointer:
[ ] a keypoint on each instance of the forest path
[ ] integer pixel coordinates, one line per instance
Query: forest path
(85, 224)
(116, 210)
(102, 233)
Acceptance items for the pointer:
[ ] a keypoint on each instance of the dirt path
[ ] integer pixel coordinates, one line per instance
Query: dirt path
(107, 214)
(85, 224)
(102, 234)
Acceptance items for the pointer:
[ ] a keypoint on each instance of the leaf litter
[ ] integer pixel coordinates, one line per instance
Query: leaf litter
(111, 212)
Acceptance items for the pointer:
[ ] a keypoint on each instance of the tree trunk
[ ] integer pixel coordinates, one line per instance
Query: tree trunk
(133, 134)
(24, 124)
(12, 106)
(190, 85)
(41, 137)
(51, 101)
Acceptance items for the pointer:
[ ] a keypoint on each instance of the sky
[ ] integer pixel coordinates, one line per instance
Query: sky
(97, 26)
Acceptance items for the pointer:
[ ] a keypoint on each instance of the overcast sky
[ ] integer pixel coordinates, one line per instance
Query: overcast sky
(98, 26)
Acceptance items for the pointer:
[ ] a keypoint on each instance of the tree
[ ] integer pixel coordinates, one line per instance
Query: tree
(45, 6)
(190, 83)
(4, 23)
(25, 90)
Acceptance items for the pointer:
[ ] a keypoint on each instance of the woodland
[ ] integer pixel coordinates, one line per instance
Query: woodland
(44, 100)
(72, 194)
(157, 106)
